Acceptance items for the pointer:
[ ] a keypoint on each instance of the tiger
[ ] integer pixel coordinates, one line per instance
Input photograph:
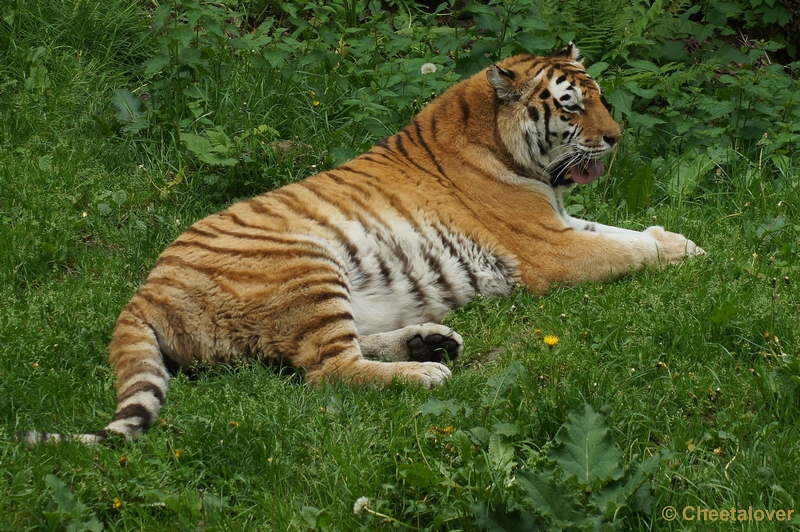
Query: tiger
(348, 274)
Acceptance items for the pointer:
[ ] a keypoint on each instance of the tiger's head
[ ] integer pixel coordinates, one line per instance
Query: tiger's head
(551, 118)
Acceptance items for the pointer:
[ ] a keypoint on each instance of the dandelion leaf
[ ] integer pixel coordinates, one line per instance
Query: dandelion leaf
(196, 144)
(437, 407)
(501, 453)
(632, 490)
(686, 175)
(418, 475)
(585, 450)
(549, 499)
(639, 188)
(499, 519)
(67, 502)
(128, 110)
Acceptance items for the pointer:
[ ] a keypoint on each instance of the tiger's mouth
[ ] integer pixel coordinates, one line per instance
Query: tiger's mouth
(585, 172)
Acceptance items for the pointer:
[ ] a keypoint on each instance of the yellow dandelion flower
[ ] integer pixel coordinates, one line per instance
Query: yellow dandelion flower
(234, 424)
(117, 503)
(315, 103)
(551, 340)
(178, 453)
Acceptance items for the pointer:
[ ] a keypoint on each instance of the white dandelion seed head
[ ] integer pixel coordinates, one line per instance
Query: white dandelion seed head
(361, 503)
(428, 68)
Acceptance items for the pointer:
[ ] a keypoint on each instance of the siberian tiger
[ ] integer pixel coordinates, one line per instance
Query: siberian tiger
(348, 274)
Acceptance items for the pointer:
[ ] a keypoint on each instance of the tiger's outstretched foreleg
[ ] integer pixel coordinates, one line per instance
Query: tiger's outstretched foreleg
(429, 342)
(586, 255)
(671, 247)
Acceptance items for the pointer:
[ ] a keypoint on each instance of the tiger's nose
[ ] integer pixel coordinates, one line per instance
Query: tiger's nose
(611, 139)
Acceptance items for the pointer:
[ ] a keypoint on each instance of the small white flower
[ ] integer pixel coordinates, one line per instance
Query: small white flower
(361, 503)
(428, 68)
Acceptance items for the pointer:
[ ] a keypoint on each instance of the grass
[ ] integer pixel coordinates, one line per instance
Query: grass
(695, 358)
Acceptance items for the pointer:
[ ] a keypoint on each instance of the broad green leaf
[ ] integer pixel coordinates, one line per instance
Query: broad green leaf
(127, 107)
(501, 453)
(685, 176)
(479, 435)
(506, 429)
(596, 69)
(220, 142)
(316, 518)
(499, 519)
(45, 163)
(276, 58)
(190, 56)
(549, 499)
(621, 100)
(585, 450)
(462, 442)
(118, 198)
(638, 119)
(217, 160)
(341, 155)
(771, 225)
(418, 475)
(574, 209)
(724, 313)
(92, 525)
(631, 490)
(195, 143)
(67, 502)
(498, 386)
(639, 188)
(436, 407)
(645, 65)
(155, 65)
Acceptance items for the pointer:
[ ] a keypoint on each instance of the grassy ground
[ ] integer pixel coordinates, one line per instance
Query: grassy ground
(701, 358)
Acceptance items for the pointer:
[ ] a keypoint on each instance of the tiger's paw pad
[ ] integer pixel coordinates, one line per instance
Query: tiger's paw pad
(435, 344)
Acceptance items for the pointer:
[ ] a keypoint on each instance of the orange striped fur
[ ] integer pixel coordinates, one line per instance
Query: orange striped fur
(348, 273)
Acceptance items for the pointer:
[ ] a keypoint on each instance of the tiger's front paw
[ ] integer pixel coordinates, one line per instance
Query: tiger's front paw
(427, 374)
(434, 343)
(672, 247)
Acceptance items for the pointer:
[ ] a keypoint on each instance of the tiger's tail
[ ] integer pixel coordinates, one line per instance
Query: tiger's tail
(142, 379)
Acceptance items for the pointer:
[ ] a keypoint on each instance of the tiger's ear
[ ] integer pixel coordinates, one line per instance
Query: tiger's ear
(571, 52)
(502, 81)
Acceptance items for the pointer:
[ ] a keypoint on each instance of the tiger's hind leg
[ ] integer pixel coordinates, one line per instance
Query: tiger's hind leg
(333, 351)
(348, 364)
(429, 342)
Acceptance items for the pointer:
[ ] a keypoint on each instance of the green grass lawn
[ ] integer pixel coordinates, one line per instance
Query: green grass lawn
(702, 359)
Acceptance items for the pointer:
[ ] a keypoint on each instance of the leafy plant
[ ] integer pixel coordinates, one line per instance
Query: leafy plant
(68, 509)
(583, 484)
(128, 111)
(576, 480)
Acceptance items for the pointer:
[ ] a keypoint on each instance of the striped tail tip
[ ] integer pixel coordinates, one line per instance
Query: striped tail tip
(33, 437)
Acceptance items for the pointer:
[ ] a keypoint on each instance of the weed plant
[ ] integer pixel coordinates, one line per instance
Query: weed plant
(594, 407)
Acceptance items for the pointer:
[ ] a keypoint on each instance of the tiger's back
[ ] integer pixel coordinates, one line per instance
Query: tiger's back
(348, 273)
